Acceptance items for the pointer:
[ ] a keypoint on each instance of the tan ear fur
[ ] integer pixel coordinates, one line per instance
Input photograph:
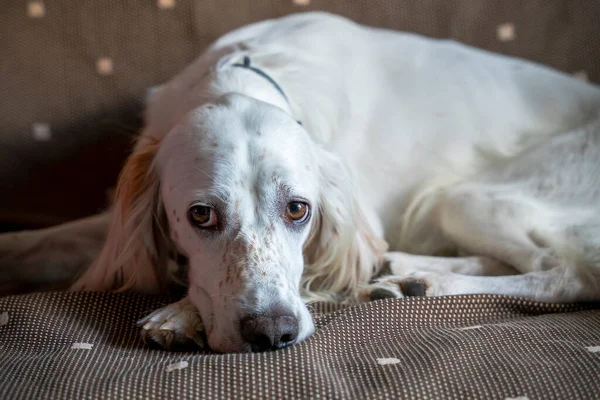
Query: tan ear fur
(135, 177)
(133, 255)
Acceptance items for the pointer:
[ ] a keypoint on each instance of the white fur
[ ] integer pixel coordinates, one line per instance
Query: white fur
(431, 146)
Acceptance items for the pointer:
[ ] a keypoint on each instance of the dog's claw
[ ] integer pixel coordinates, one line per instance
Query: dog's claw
(167, 326)
(176, 325)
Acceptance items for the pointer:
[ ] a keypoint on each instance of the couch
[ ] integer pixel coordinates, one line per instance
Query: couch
(73, 76)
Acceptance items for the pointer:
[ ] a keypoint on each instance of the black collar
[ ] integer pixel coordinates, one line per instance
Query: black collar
(246, 65)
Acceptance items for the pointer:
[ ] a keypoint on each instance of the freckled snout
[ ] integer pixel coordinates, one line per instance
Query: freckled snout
(269, 332)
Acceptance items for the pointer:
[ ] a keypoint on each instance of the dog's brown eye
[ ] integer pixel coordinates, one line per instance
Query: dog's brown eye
(203, 216)
(297, 211)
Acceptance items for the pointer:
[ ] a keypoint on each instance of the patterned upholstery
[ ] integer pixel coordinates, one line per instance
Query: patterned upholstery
(86, 345)
(73, 75)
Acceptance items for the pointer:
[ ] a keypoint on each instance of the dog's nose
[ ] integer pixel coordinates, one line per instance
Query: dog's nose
(269, 332)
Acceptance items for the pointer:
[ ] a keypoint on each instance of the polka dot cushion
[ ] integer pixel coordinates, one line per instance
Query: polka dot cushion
(87, 346)
(73, 76)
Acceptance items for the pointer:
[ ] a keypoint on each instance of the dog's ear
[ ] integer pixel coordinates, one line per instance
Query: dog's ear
(135, 254)
(342, 251)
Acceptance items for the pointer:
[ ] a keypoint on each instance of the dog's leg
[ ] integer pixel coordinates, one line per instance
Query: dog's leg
(556, 285)
(515, 229)
(177, 324)
(50, 259)
(484, 220)
(397, 265)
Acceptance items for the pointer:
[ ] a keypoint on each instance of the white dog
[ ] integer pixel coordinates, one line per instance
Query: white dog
(285, 160)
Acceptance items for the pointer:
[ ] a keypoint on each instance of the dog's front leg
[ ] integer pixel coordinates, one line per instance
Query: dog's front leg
(175, 325)
(556, 285)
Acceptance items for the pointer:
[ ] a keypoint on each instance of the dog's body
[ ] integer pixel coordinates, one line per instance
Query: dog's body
(436, 148)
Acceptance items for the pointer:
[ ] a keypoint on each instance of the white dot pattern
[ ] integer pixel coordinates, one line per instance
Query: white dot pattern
(3, 318)
(165, 4)
(36, 9)
(413, 348)
(506, 32)
(582, 75)
(41, 131)
(176, 366)
(104, 66)
(82, 346)
(388, 361)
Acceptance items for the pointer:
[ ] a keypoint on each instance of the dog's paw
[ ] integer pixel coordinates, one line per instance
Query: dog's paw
(422, 283)
(426, 283)
(177, 325)
(382, 288)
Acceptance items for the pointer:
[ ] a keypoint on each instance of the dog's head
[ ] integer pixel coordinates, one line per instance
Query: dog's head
(263, 214)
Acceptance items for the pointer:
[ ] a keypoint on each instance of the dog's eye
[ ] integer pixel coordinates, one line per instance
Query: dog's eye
(203, 216)
(297, 211)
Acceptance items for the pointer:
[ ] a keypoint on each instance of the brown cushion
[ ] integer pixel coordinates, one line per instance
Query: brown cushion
(86, 345)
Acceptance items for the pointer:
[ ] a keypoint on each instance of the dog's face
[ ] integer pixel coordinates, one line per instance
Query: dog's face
(239, 187)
